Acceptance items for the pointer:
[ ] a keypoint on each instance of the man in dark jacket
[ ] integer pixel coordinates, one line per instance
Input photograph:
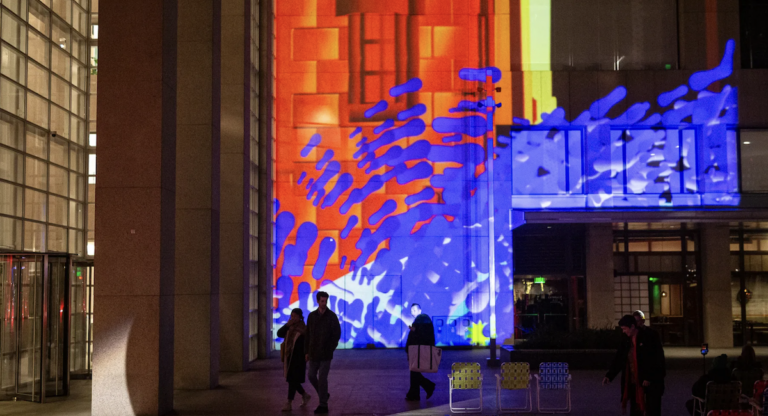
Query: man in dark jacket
(322, 338)
(421, 332)
(640, 359)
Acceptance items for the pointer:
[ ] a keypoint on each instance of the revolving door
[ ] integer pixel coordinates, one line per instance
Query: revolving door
(35, 326)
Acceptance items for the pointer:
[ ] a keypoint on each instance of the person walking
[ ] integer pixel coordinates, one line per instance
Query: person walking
(292, 354)
(321, 340)
(640, 359)
(421, 332)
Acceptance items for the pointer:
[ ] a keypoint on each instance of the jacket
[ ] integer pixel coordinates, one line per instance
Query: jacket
(423, 332)
(294, 366)
(650, 359)
(323, 335)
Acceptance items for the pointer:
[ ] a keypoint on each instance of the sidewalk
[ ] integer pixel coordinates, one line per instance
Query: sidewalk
(374, 382)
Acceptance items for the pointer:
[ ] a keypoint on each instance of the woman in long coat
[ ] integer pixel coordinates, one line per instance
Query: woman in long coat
(421, 332)
(292, 354)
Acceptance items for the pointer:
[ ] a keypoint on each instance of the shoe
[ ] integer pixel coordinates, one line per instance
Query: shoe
(321, 410)
(287, 407)
(305, 399)
(430, 391)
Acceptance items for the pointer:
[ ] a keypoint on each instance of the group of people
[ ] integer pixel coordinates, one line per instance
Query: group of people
(315, 342)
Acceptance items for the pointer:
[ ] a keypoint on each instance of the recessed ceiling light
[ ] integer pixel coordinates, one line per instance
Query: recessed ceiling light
(747, 142)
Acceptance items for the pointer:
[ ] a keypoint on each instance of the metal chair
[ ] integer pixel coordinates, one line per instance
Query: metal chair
(718, 397)
(465, 376)
(553, 376)
(514, 376)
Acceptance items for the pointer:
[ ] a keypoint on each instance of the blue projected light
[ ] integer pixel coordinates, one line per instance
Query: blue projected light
(436, 245)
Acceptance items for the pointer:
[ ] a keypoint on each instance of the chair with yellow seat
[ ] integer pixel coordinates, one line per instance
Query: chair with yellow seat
(514, 376)
(465, 376)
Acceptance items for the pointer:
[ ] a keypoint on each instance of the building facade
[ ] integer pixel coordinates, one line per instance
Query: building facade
(510, 165)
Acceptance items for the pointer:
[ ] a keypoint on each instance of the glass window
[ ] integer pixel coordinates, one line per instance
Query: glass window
(77, 104)
(78, 131)
(60, 34)
(37, 142)
(36, 173)
(76, 159)
(60, 93)
(14, 31)
(11, 165)
(57, 210)
(11, 131)
(13, 65)
(92, 164)
(38, 80)
(92, 139)
(63, 8)
(11, 97)
(58, 180)
(17, 6)
(57, 239)
(79, 75)
(39, 17)
(80, 20)
(37, 110)
(94, 32)
(754, 33)
(76, 242)
(754, 153)
(59, 121)
(59, 151)
(76, 186)
(39, 48)
(80, 48)
(10, 234)
(75, 214)
(60, 63)
(34, 236)
(34, 205)
(10, 199)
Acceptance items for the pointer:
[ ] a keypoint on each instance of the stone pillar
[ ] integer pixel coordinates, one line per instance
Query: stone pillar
(235, 183)
(599, 277)
(135, 219)
(197, 195)
(716, 285)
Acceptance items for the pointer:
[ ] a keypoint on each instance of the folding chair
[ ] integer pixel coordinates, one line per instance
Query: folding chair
(514, 376)
(465, 376)
(756, 401)
(718, 397)
(553, 376)
(729, 413)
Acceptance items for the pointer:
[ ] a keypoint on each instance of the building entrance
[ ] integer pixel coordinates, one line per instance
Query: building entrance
(34, 304)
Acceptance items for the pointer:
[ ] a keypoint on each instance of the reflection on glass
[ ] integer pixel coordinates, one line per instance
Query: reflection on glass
(10, 199)
(34, 235)
(60, 92)
(38, 79)
(37, 110)
(59, 151)
(36, 173)
(59, 121)
(11, 97)
(57, 239)
(13, 64)
(10, 239)
(37, 142)
(58, 182)
(35, 205)
(11, 166)
(14, 31)
(39, 48)
(39, 18)
(11, 131)
(60, 63)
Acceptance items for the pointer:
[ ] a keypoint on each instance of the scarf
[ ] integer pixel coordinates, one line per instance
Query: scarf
(639, 392)
(296, 330)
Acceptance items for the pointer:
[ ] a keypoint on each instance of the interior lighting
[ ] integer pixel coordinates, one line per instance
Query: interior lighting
(747, 142)
(663, 294)
(653, 279)
(539, 279)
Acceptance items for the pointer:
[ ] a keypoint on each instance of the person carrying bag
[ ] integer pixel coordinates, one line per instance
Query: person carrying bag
(423, 356)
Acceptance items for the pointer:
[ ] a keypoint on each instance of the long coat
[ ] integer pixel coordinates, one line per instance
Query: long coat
(294, 366)
(423, 332)
(650, 359)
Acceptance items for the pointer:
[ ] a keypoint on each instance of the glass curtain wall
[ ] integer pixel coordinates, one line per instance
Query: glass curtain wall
(253, 275)
(93, 72)
(656, 269)
(749, 282)
(43, 116)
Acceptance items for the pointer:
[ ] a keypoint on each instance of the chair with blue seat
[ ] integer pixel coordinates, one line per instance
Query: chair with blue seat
(465, 376)
(514, 376)
(553, 376)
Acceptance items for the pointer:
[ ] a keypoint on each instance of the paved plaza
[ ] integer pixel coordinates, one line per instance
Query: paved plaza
(374, 382)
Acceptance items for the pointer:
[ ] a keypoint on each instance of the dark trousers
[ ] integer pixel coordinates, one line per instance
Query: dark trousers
(652, 394)
(293, 388)
(318, 376)
(418, 380)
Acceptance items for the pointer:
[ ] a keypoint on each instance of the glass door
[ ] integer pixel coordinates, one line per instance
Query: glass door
(81, 321)
(34, 328)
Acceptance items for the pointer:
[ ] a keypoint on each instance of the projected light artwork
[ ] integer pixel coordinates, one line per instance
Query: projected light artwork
(382, 180)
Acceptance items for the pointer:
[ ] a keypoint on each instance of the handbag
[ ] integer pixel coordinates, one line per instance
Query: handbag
(424, 358)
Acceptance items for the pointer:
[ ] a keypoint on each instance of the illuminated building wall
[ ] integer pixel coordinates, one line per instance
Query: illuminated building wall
(381, 186)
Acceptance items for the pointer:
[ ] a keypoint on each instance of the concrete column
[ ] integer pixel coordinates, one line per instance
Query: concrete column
(235, 183)
(716, 285)
(599, 277)
(135, 219)
(197, 195)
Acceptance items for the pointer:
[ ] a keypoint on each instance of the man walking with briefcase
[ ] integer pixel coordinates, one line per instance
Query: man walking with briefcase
(421, 333)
